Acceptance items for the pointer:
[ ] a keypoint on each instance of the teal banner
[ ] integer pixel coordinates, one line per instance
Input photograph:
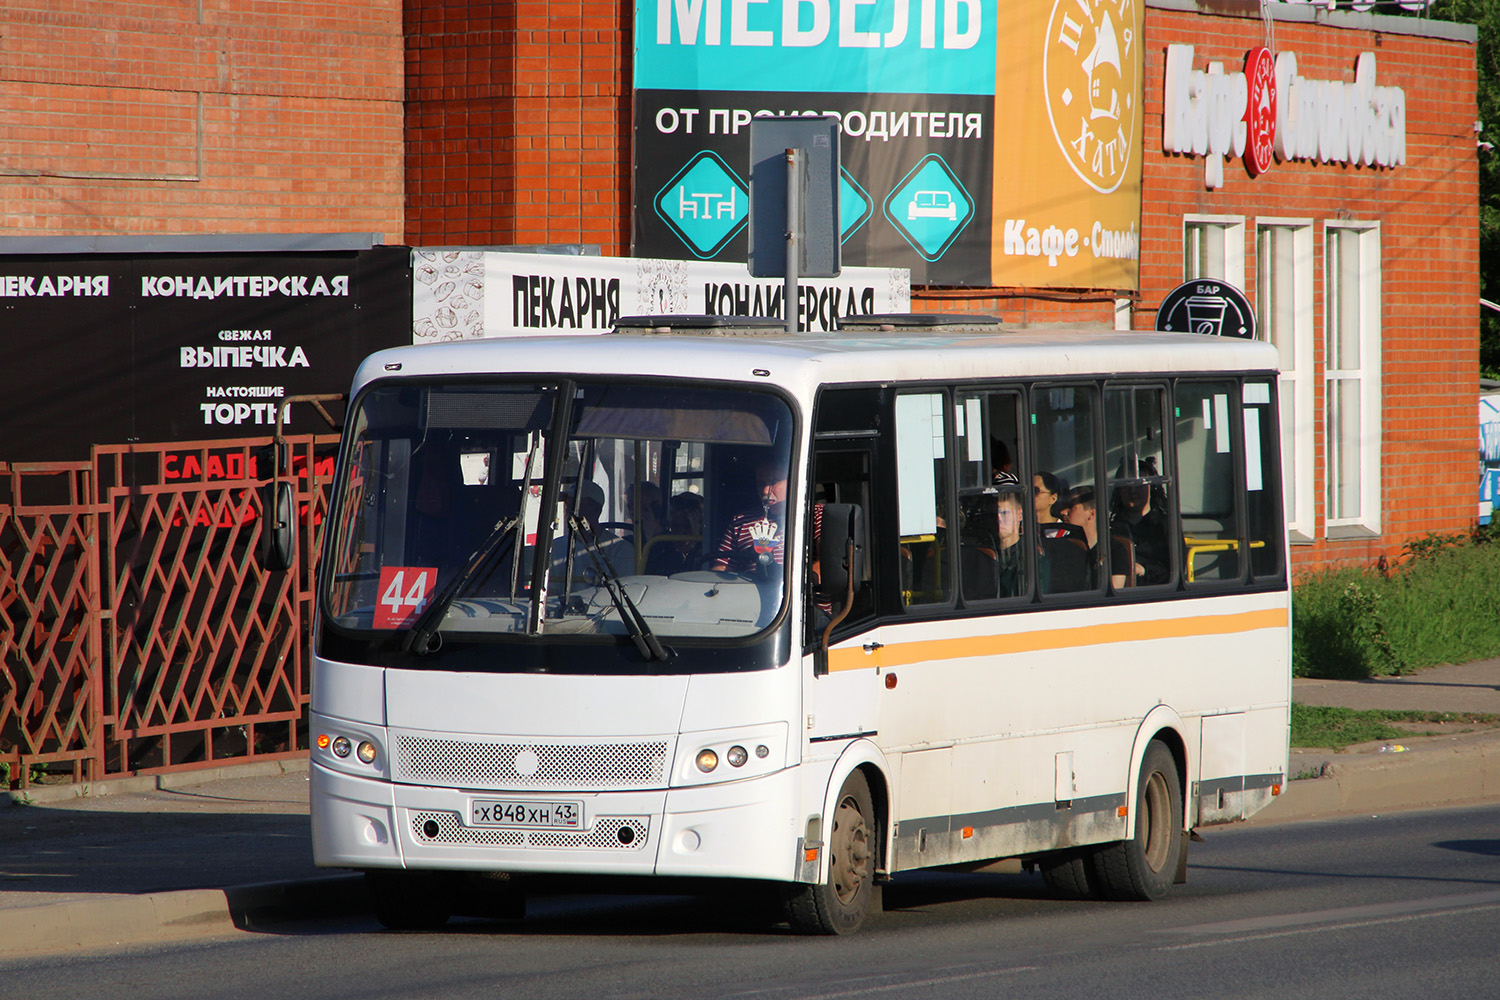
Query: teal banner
(829, 46)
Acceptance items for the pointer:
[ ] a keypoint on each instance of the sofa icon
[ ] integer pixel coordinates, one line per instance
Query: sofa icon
(931, 205)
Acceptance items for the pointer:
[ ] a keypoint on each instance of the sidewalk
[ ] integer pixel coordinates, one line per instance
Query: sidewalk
(140, 860)
(1455, 766)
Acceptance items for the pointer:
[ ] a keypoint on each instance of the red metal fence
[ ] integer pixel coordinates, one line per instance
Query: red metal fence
(139, 632)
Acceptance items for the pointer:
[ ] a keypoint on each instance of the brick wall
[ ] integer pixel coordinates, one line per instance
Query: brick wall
(207, 116)
(518, 122)
(1428, 215)
(518, 132)
(200, 116)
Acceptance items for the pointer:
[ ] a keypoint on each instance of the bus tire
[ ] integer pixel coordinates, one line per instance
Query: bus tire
(839, 904)
(410, 901)
(1144, 867)
(1070, 874)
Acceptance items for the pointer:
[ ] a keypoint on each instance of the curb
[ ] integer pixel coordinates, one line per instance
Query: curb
(49, 794)
(1436, 775)
(160, 917)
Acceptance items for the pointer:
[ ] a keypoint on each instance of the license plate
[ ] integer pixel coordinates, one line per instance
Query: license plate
(526, 814)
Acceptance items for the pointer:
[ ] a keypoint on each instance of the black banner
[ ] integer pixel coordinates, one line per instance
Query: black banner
(116, 348)
(916, 191)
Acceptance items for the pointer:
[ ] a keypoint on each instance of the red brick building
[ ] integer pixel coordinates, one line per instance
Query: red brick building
(465, 122)
(135, 117)
(1414, 227)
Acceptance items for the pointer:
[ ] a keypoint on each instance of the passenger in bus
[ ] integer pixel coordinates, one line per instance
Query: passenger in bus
(993, 562)
(645, 510)
(755, 540)
(1138, 516)
(1046, 491)
(680, 548)
(616, 552)
(1077, 508)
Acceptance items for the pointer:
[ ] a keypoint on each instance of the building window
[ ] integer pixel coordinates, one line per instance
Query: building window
(1213, 246)
(1351, 376)
(1284, 306)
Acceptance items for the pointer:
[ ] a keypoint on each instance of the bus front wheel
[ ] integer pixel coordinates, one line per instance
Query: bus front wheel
(838, 905)
(410, 901)
(1145, 866)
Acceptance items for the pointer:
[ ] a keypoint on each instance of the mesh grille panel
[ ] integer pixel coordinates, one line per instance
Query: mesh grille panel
(610, 833)
(467, 764)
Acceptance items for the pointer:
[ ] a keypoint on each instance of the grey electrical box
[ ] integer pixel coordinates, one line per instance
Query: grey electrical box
(818, 222)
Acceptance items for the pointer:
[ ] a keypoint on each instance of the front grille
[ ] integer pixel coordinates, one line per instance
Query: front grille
(610, 833)
(560, 767)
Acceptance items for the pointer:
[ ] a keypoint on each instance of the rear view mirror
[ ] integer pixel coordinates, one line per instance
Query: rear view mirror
(278, 529)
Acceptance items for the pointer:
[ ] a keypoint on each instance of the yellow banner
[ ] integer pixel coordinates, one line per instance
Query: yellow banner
(1067, 135)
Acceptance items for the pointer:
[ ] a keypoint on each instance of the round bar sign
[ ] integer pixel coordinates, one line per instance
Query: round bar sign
(1207, 306)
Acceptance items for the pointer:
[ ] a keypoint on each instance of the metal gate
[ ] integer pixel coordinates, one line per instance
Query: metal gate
(51, 684)
(139, 631)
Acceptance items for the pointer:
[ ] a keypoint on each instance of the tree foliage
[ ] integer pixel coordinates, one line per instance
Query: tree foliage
(1485, 15)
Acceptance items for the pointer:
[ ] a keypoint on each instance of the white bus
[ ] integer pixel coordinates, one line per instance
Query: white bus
(698, 601)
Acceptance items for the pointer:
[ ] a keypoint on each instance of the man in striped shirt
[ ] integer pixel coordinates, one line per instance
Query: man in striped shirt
(757, 540)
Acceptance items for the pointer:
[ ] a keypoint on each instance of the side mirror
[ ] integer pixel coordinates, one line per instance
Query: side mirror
(278, 529)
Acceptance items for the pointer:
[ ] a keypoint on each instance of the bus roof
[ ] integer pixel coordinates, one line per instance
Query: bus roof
(802, 362)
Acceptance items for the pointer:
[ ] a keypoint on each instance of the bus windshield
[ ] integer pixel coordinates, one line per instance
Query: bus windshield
(560, 509)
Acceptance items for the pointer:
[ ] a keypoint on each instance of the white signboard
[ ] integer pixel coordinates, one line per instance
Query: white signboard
(468, 294)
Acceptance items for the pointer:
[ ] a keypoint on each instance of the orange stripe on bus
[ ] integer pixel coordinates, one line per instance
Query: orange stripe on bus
(926, 651)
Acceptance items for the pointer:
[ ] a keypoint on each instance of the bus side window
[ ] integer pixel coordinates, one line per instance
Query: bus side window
(922, 499)
(1140, 501)
(995, 526)
(1262, 479)
(1063, 424)
(1207, 481)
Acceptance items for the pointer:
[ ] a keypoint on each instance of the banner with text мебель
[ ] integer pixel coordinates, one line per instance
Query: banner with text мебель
(984, 142)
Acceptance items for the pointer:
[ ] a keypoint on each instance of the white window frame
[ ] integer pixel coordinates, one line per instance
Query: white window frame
(1352, 507)
(1290, 329)
(1215, 239)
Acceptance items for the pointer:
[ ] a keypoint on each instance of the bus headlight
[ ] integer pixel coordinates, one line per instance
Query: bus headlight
(352, 750)
(709, 756)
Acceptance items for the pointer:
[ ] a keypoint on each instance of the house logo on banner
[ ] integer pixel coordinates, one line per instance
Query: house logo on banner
(1091, 77)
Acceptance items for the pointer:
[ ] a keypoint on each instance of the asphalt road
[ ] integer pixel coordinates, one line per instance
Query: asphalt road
(1403, 905)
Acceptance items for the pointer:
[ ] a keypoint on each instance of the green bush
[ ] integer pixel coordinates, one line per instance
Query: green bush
(1440, 605)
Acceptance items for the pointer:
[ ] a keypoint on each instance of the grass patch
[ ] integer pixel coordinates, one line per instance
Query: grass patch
(1438, 605)
(1323, 727)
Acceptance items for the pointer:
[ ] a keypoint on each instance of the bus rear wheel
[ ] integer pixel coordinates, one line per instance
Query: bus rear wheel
(1144, 867)
(1070, 874)
(839, 904)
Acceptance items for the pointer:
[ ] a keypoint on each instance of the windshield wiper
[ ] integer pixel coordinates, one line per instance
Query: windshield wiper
(424, 629)
(635, 624)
